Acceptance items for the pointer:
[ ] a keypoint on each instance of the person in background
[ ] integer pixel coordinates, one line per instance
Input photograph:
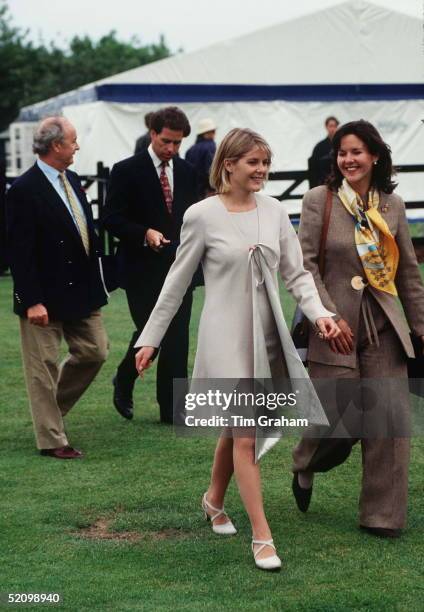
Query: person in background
(201, 154)
(3, 252)
(142, 143)
(147, 197)
(370, 263)
(58, 289)
(319, 164)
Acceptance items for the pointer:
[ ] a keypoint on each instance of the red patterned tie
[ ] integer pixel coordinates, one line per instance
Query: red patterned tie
(166, 188)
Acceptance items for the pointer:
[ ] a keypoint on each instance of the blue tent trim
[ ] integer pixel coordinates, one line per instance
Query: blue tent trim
(175, 93)
(249, 93)
(53, 106)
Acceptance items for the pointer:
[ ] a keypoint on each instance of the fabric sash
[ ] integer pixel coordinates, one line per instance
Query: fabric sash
(263, 263)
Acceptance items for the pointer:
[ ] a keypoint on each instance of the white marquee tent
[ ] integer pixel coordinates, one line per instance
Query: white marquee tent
(355, 60)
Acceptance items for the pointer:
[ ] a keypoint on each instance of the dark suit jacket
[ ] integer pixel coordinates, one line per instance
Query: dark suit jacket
(200, 155)
(3, 254)
(319, 164)
(135, 203)
(47, 258)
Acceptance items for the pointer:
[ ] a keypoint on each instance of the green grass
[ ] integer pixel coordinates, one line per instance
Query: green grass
(416, 230)
(142, 485)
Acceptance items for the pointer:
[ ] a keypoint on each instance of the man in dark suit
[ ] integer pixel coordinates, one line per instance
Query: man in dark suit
(146, 200)
(58, 289)
(319, 164)
(3, 254)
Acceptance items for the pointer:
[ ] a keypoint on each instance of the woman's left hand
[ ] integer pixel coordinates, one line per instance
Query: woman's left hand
(328, 328)
(143, 359)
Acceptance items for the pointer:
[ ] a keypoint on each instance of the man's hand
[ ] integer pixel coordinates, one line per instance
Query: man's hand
(344, 343)
(143, 359)
(38, 315)
(156, 240)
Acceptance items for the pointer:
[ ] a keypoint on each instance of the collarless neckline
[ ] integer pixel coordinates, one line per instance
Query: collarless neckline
(237, 212)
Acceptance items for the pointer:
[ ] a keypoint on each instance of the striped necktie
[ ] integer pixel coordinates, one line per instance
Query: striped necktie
(166, 187)
(76, 212)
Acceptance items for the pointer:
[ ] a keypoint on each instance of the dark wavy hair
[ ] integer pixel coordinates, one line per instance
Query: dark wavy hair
(172, 118)
(382, 172)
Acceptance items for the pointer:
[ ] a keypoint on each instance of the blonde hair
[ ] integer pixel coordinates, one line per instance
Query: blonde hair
(234, 146)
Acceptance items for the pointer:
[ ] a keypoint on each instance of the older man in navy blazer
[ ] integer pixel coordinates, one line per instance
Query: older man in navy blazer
(147, 197)
(58, 288)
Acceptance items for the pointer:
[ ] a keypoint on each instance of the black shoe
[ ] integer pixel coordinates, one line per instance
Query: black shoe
(382, 532)
(302, 496)
(122, 402)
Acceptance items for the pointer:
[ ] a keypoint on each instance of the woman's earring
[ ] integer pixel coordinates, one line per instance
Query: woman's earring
(375, 163)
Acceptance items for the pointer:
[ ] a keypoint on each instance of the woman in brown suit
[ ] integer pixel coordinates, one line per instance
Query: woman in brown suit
(369, 263)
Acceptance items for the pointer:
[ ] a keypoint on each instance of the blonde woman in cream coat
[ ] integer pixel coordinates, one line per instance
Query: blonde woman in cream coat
(241, 238)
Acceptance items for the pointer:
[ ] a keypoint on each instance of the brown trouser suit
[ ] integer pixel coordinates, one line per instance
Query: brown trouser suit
(385, 453)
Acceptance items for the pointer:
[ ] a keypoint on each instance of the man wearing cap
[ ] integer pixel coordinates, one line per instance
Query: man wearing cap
(201, 154)
(58, 289)
(147, 197)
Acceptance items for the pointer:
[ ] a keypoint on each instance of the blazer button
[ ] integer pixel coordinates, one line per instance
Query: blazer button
(358, 283)
(69, 262)
(71, 283)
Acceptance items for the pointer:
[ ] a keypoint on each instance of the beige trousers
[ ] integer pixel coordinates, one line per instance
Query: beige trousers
(386, 450)
(54, 388)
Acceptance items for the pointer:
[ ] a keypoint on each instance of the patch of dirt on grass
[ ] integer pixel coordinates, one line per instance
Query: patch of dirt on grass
(100, 530)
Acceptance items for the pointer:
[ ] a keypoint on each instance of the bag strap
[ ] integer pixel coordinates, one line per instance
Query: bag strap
(324, 232)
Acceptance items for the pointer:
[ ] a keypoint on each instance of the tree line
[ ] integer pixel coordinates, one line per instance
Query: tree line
(30, 72)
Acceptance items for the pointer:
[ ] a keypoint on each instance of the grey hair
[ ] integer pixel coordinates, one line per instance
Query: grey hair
(49, 130)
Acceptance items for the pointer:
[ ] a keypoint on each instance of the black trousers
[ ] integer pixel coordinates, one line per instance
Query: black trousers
(173, 354)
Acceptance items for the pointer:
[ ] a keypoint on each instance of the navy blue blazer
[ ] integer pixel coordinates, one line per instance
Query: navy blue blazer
(200, 155)
(47, 258)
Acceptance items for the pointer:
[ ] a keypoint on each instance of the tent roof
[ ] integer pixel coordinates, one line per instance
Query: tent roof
(353, 42)
(340, 52)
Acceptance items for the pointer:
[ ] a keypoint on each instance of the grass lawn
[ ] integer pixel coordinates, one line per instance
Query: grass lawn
(122, 529)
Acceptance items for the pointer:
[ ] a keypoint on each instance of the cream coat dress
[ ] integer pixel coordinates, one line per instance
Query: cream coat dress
(242, 331)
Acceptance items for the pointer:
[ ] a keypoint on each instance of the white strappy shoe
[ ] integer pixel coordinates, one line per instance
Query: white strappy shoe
(271, 563)
(224, 529)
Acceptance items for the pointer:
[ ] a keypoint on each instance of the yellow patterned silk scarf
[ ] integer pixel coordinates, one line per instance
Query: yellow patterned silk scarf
(376, 246)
